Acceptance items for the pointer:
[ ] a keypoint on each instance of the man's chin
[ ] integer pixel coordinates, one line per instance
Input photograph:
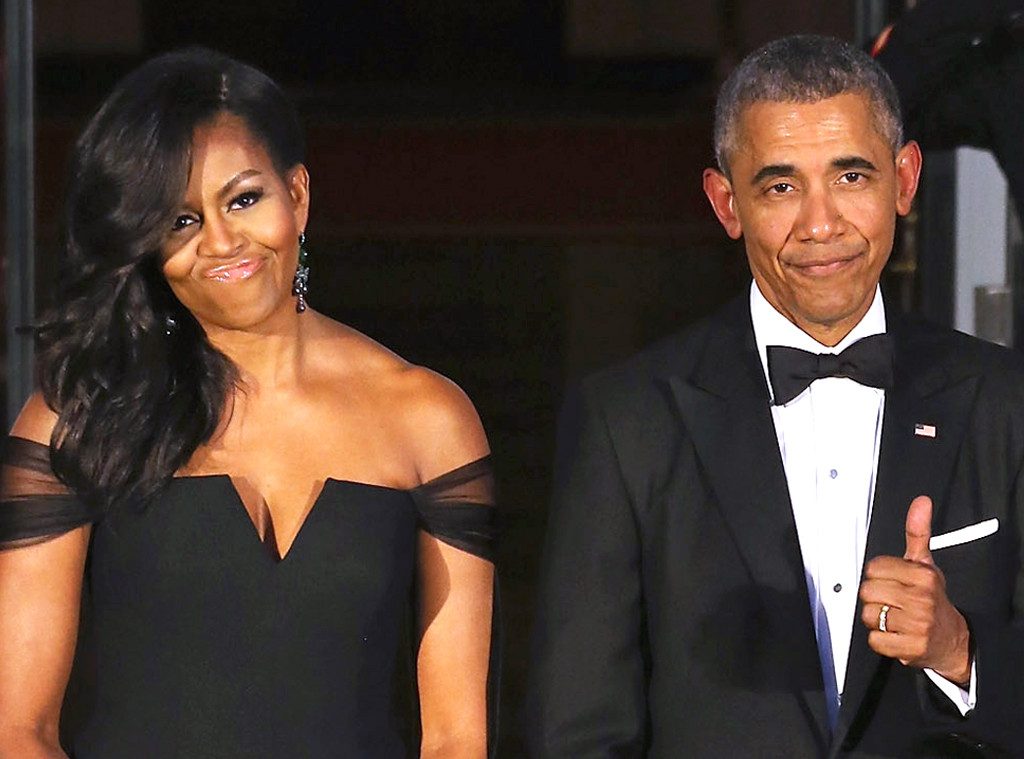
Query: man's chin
(832, 321)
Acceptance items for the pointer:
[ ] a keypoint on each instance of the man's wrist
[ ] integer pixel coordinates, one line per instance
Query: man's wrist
(959, 670)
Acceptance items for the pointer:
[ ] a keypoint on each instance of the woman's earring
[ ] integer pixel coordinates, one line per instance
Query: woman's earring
(170, 325)
(300, 285)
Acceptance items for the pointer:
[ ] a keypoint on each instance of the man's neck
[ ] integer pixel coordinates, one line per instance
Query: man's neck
(771, 327)
(826, 335)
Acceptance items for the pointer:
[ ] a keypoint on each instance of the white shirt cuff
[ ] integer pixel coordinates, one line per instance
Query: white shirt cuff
(963, 700)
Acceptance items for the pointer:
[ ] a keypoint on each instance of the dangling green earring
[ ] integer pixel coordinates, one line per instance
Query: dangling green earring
(300, 285)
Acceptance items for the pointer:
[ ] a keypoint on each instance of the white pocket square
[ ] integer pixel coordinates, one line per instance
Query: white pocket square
(964, 534)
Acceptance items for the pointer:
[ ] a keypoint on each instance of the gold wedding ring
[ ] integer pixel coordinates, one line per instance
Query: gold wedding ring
(883, 616)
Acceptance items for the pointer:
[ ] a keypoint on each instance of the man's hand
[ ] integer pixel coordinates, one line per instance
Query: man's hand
(923, 628)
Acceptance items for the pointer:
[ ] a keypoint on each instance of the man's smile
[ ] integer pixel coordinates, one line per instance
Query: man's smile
(823, 266)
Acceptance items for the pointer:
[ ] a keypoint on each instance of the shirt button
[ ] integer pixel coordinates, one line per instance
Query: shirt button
(833, 474)
(837, 587)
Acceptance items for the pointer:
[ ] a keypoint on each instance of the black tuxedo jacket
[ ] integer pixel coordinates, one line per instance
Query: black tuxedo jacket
(674, 618)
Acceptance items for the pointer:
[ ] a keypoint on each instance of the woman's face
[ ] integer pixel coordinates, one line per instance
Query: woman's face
(232, 249)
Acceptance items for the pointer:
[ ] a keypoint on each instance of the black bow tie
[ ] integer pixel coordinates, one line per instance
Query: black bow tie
(868, 361)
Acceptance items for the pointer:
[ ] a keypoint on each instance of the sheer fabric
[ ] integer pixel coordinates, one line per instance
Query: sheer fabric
(456, 507)
(34, 504)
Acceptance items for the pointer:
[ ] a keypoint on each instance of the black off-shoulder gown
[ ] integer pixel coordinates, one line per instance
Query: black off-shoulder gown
(199, 641)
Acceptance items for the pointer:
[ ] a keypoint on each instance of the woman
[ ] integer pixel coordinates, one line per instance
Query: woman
(254, 497)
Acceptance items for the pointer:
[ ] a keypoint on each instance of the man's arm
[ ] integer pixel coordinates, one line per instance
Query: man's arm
(922, 628)
(997, 628)
(998, 643)
(983, 653)
(587, 684)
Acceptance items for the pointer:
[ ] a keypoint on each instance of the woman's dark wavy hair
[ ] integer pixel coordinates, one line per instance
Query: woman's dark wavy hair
(134, 397)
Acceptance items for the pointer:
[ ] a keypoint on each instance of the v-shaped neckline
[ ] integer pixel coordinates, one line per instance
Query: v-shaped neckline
(262, 518)
(268, 537)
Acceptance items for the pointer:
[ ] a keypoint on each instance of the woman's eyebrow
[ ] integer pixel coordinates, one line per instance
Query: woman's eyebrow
(241, 176)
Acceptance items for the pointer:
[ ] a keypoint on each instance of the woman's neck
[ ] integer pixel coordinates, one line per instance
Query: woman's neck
(269, 356)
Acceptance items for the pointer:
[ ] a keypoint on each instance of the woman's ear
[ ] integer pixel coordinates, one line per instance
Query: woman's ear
(298, 187)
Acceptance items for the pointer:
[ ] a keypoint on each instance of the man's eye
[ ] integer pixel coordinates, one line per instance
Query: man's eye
(780, 188)
(852, 177)
(246, 199)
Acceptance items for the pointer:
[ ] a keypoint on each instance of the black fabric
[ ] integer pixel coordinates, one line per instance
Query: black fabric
(791, 370)
(456, 507)
(205, 646)
(673, 614)
(34, 504)
(196, 642)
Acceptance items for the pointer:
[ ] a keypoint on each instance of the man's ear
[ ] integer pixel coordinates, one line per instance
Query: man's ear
(908, 171)
(718, 188)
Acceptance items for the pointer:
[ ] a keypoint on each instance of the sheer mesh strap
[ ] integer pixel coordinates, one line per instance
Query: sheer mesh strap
(458, 508)
(34, 504)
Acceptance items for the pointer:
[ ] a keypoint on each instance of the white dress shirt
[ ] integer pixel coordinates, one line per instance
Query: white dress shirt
(829, 439)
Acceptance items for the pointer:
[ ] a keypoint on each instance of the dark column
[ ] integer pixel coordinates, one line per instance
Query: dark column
(19, 279)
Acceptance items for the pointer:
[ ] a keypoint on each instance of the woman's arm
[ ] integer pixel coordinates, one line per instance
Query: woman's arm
(455, 588)
(40, 594)
(455, 594)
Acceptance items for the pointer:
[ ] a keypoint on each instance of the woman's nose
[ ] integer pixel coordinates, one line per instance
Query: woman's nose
(219, 239)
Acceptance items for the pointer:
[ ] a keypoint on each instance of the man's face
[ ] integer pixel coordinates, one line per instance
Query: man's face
(814, 192)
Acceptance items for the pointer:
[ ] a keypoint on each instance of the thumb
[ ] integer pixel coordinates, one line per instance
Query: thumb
(919, 530)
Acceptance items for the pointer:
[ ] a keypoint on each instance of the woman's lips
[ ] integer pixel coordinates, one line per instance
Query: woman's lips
(236, 271)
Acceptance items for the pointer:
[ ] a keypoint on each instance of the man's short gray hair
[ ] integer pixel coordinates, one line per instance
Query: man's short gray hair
(804, 69)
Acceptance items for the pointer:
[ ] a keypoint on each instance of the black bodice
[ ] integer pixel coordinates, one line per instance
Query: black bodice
(198, 642)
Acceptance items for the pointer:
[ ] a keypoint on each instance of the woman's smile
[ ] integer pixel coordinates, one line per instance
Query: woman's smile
(236, 271)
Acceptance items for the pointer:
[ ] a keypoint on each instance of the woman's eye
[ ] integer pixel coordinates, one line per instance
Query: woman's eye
(246, 199)
(181, 222)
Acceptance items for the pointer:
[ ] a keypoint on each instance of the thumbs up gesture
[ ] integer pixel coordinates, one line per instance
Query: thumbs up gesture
(905, 607)
(919, 530)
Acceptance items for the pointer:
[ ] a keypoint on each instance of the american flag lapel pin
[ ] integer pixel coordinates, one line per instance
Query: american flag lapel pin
(924, 430)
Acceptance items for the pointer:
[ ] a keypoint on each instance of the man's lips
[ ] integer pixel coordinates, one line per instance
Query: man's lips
(235, 271)
(824, 266)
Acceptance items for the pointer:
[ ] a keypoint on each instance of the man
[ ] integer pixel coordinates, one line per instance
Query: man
(824, 564)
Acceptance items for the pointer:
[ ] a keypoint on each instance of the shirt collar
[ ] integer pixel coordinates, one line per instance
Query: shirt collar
(772, 328)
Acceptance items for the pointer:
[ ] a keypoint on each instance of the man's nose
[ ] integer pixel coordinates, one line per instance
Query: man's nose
(219, 239)
(819, 219)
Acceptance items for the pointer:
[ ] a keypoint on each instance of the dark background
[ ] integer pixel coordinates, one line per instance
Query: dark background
(507, 191)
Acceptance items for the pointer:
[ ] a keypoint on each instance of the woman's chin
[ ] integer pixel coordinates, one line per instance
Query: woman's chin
(262, 317)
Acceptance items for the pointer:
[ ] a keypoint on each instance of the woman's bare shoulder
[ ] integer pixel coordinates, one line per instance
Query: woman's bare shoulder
(36, 420)
(434, 418)
(439, 421)
(343, 351)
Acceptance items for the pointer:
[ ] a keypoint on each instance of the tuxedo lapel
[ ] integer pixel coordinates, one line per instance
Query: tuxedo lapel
(929, 390)
(724, 406)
